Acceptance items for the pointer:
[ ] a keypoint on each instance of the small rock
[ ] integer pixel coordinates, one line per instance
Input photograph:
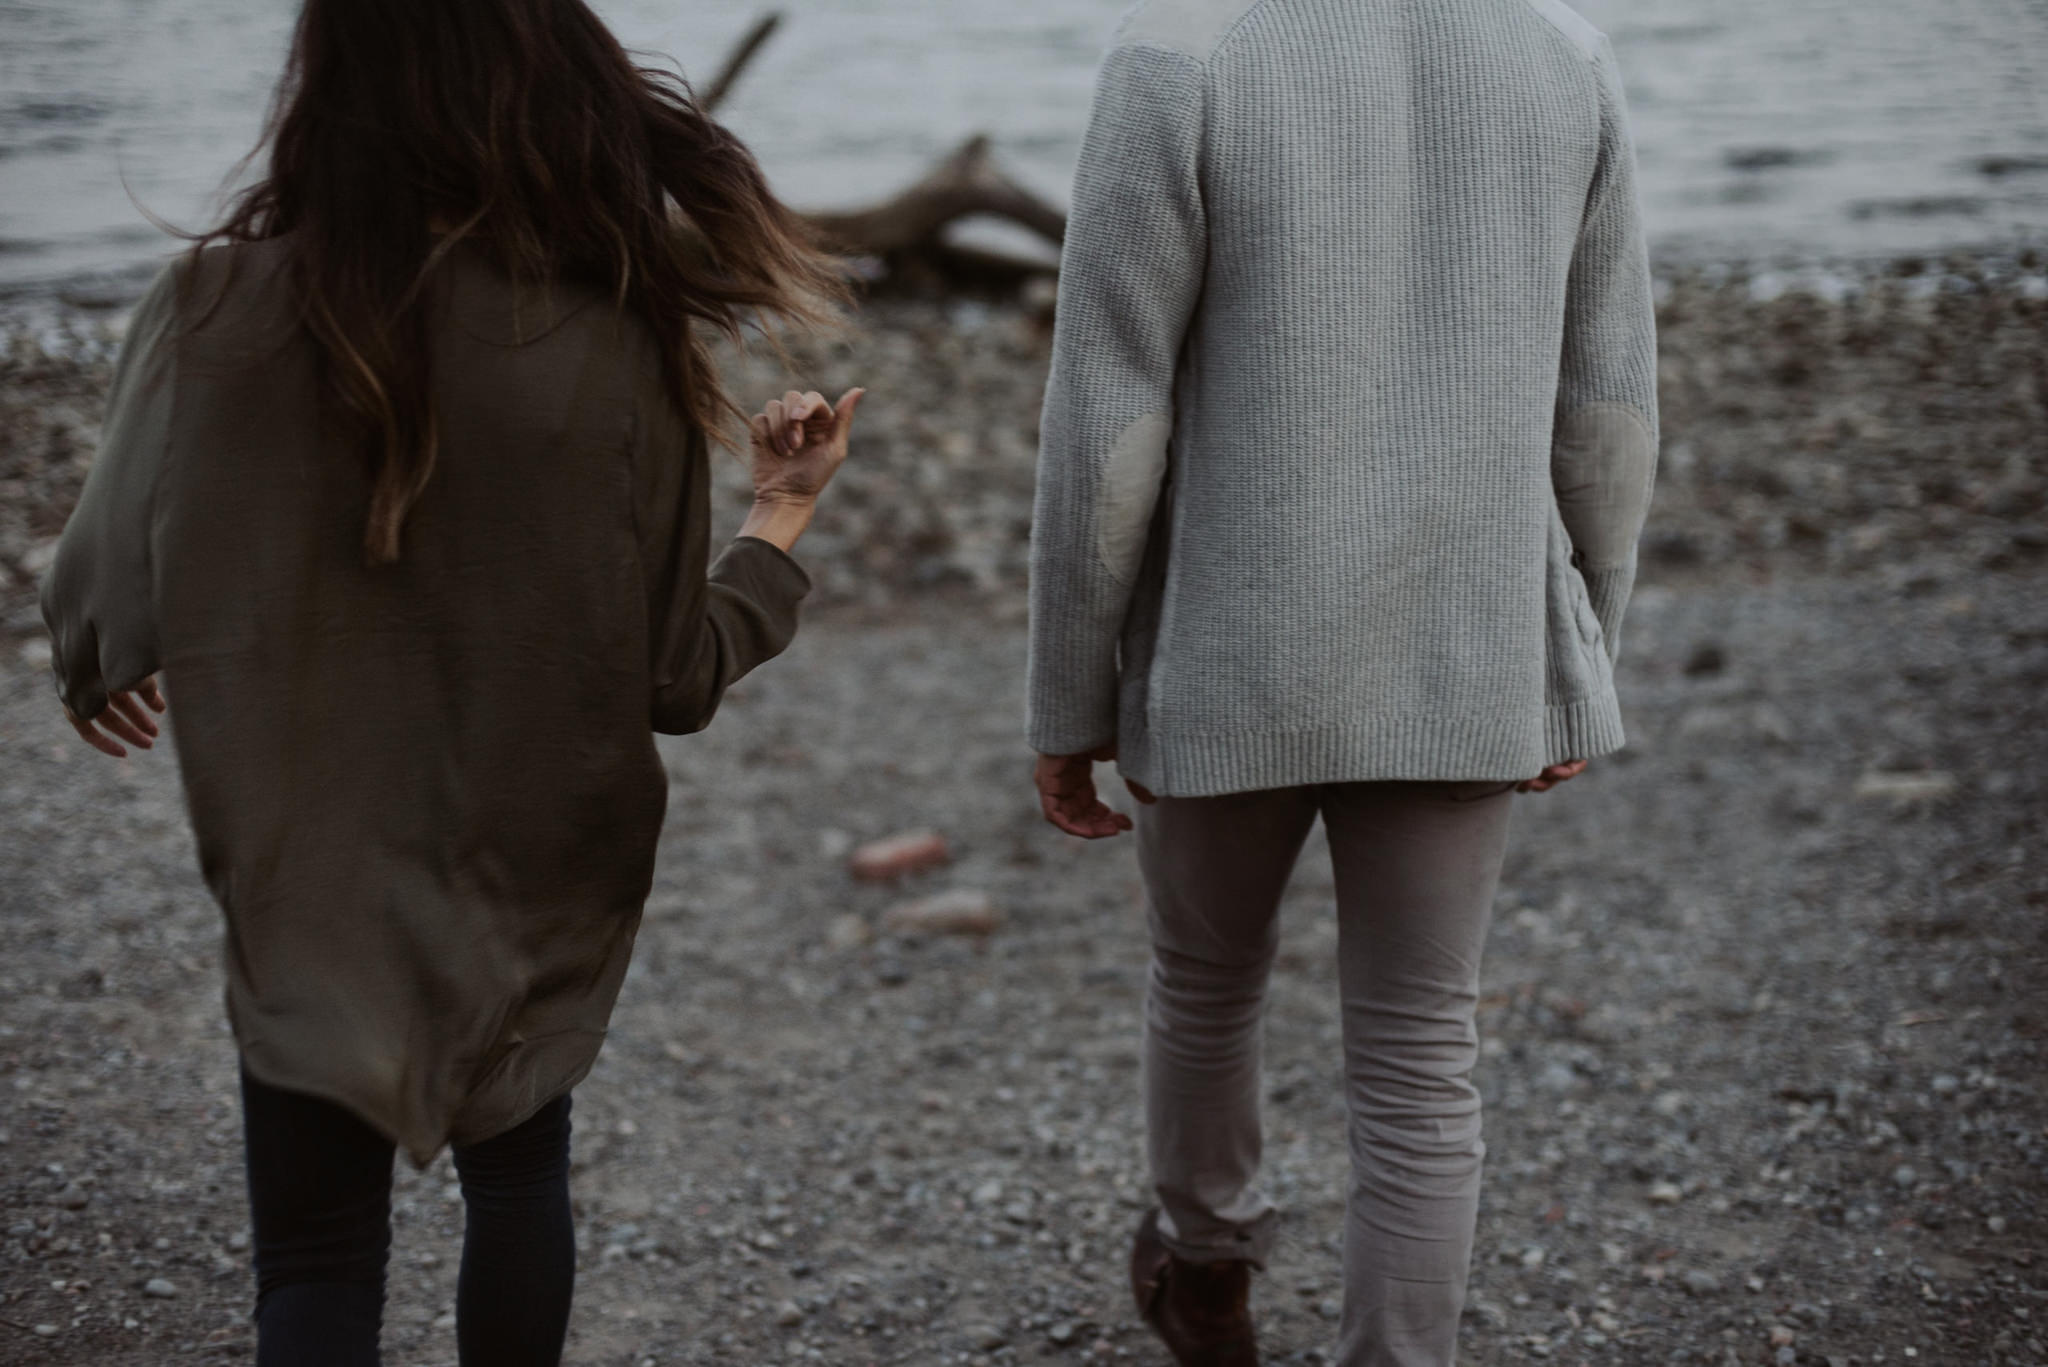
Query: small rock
(1782, 1336)
(1996, 1224)
(39, 557)
(1946, 1084)
(1931, 786)
(887, 860)
(1706, 658)
(1699, 1282)
(72, 1197)
(46, 1331)
(1063, 1333)
(961, 912)
(987, 1338)
(1666, 1194)
(1772, 725)
(1039, 296)
(988, 1193)
(847, 932)
(789, 1314)
(1532, 1256)
(159, 1288)
(1674, 548)
(891, 971)
(1905, 1175)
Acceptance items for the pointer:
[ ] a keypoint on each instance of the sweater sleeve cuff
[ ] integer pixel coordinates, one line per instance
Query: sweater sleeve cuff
(763, 573)
(1075, 738)
(1071, 692)
(1609, 591)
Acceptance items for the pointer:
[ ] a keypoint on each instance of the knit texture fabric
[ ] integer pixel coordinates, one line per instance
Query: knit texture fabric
(1352, 421)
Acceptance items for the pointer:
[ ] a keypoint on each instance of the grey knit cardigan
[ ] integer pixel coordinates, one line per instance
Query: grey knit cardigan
(1352, 422)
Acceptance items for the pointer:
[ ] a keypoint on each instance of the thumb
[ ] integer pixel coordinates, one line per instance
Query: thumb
(843, 413)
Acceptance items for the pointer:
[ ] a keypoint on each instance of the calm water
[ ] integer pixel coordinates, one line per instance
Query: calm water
(1803, 129)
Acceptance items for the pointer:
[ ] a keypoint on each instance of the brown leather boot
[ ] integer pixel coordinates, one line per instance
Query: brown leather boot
(1202, 1312)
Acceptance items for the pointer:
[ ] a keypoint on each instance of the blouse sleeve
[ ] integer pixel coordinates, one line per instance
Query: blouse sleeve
(707, 628)
(99, 595)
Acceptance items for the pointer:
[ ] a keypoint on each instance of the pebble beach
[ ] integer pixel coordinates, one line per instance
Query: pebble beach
(1764, 1025)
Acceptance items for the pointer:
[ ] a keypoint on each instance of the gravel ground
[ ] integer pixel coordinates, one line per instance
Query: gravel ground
(1764, 1018)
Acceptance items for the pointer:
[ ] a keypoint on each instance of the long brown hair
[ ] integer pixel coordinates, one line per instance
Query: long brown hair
(521, 126)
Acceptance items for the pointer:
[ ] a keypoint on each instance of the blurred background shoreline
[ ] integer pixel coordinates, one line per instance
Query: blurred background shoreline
(1827, 136)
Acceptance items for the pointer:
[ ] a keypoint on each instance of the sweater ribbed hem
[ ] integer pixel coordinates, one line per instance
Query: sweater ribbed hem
(1411, 748)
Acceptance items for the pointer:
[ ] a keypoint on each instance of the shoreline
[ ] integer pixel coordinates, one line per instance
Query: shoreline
(83, 300)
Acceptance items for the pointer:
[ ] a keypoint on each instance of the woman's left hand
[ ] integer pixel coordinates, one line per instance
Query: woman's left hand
(125, 718)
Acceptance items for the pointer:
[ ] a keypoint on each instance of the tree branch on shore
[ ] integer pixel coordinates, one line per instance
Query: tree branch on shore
(907, 234)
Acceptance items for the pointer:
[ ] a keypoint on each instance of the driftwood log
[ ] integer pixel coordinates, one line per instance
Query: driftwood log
(907, 236)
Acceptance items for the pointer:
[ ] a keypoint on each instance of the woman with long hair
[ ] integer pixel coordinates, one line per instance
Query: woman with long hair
(404, 489)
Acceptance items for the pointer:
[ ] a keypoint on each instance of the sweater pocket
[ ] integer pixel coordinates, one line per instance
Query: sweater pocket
(1577, 665)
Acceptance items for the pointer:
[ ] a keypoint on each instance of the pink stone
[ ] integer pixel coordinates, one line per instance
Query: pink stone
(887, 860)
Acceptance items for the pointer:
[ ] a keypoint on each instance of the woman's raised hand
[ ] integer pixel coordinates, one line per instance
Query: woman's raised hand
(799, 443)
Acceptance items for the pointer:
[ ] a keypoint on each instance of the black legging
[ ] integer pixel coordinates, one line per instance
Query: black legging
(320, 1200)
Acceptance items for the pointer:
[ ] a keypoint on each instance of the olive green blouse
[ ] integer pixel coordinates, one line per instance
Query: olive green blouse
(426, 795)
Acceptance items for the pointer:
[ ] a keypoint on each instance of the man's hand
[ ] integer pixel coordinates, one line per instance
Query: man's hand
(1554, 775)
(124, 718)
(1066, 793)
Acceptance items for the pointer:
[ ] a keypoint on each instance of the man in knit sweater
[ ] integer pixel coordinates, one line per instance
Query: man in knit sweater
(1348, 446)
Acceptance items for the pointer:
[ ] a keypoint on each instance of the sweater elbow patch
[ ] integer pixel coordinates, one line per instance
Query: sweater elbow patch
(1604, 466)
(1130, 491)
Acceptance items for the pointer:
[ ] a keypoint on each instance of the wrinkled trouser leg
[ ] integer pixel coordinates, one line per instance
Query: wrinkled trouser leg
(518, 1244)
(1214, 871)
(320, 1206)
(1417, 868)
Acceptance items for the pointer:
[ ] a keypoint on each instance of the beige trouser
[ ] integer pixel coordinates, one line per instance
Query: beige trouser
(1417, 866)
